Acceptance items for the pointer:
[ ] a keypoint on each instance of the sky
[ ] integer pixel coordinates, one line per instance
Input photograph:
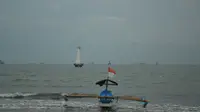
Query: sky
(123, 31)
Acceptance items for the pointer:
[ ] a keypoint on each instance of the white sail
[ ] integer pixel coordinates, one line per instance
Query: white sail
(78, 60)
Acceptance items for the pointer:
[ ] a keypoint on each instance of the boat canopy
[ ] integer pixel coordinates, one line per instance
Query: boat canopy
(103, 82)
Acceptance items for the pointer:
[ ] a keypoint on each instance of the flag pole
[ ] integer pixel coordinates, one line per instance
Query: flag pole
(107, 76)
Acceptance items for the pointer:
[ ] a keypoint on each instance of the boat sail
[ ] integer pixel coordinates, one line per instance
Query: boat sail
(78, 58)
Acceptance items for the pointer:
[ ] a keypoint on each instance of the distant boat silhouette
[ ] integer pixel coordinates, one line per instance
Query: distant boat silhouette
(142, 63)
(109, 63)
(156, 63)
(2, 62)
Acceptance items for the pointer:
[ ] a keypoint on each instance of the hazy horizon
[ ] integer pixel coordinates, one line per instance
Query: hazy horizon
(100, 64)
(125, 32)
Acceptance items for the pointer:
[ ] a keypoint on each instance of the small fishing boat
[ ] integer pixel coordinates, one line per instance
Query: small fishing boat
(106, 98)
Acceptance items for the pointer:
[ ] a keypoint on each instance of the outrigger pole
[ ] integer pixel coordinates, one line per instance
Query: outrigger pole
(77, 95)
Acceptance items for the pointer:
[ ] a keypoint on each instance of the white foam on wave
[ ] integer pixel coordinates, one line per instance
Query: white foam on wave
(52, 104)
(11, 95)
(77, 104)
(19, 104)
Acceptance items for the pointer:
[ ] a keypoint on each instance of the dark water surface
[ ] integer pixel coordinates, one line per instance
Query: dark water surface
(38, 88)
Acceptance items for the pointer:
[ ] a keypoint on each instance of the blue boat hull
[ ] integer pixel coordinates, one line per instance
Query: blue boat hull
(106, 102)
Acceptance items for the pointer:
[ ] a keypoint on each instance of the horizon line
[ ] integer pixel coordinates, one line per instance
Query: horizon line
(98, 64)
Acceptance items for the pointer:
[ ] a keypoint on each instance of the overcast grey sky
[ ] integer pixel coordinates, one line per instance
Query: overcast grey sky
(124, 31)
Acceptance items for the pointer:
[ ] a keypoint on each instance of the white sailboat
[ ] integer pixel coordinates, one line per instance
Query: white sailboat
(78, 59)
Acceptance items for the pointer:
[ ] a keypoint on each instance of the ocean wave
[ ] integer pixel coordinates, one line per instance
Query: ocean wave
(161, 82)
(55, 100)
(16, 95)
(19, 95)
(85, 105)
(62, 86)
(23, 85)
(24, 80)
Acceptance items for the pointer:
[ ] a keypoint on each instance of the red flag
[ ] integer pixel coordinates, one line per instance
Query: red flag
(111, 72)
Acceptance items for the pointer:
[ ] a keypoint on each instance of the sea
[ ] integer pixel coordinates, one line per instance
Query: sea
(39, 87)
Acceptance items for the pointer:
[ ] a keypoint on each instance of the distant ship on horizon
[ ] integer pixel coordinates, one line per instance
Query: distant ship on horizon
(157, 63)
(2, 62)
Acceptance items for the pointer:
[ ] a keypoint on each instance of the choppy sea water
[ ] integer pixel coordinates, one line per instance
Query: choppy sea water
(38, 88)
